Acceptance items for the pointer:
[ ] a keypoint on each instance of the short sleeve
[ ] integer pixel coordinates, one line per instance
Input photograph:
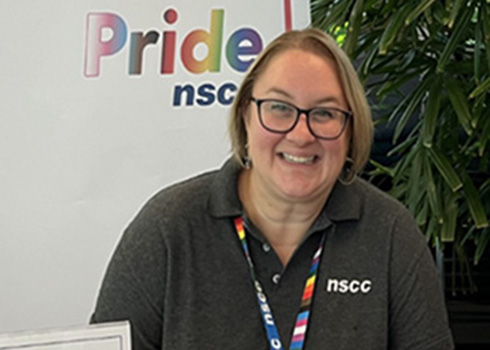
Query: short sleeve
(134, 283)
(418, 316)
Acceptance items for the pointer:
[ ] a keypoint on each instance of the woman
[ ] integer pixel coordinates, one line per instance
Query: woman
(283, 247)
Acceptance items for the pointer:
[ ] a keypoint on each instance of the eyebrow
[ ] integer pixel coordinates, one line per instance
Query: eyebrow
(286, 94)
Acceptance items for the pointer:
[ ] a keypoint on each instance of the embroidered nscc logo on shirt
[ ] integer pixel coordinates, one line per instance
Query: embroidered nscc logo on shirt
(345, 286)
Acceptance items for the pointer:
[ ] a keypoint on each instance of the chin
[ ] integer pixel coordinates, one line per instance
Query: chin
(303, 186)
(300, 192)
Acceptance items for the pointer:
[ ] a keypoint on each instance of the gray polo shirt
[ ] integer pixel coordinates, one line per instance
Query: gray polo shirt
(180, 275)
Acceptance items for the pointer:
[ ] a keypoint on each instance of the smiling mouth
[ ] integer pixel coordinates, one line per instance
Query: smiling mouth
(298, 160)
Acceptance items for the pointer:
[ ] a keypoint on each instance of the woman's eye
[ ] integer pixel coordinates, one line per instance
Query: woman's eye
(322, 113)
(280, 107)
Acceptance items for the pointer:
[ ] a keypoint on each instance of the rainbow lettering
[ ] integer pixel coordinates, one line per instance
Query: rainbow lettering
(107, 34)
(240, 50)
(95, 47)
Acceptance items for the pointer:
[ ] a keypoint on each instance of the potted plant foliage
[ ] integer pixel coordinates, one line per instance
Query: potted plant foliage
(426, 67)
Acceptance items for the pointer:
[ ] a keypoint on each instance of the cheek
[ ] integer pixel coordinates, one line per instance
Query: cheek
(337, 150)
(344, 142)
(261, 141)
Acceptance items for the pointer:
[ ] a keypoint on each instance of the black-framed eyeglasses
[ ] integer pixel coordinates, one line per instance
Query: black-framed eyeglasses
(326, 123)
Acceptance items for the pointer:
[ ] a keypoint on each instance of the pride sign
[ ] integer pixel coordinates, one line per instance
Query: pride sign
(210, 44)
(243, 42)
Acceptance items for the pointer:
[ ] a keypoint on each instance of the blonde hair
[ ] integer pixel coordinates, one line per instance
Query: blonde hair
(319, 43)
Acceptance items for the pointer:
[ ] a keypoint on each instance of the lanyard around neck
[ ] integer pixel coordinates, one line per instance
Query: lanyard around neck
(301, 325)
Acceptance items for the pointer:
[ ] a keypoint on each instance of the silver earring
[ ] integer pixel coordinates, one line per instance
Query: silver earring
(247, 163)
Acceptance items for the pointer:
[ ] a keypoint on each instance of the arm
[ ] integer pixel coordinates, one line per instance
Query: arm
(133, 287)
(418, 317)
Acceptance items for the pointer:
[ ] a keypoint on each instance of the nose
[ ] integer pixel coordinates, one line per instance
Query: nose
(301, 133)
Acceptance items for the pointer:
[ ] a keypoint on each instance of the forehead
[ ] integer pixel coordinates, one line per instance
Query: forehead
(300, 75)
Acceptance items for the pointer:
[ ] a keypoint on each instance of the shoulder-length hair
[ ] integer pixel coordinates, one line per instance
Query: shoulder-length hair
(319, 43)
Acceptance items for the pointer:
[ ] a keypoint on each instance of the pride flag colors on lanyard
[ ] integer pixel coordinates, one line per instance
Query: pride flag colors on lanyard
(301, 326)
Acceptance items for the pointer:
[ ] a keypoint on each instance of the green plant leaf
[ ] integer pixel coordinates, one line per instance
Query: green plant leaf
(336, 13)
(404, 163)
(401, 147)
(366, 64)
(455, 38)
(399, 107)
(422, 214)
(398, 191)
(393, 28)
(430, 230)
(459, 103)
(431, 191)
(481, 88)
(474, 203)
(485, 22)
(428, 16)
(392, 84)
(468, 235)
(479, 111)
(485, 188)
(413, 104)
(455, 11)
(431, 114)
(478, 45)
(386, 64)
(394, 59)
(445, 169)
(481, 245)
(421, 7)
(381, 169)
(448, 229)
(440, 13)
(414, 181)
(354, 27)
(484, 137)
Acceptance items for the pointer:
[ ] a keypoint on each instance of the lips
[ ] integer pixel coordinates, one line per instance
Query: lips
(298, 159)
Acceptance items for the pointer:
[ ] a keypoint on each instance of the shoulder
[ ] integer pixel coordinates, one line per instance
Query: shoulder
(145, 240)
(374, 199)
(375, 219)
(363, 201)
(405, 242)
(191, 202)
(184, 196)
(381, 205)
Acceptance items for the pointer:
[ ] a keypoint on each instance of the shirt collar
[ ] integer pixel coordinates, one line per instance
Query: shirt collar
(343, 204)
(223, 196)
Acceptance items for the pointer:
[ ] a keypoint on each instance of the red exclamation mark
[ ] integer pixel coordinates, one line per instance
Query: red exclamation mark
(288, 18)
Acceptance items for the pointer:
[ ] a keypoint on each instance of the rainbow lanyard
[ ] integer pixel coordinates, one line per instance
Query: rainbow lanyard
(299, 333)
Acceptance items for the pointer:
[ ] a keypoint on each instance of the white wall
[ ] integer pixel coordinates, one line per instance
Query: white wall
(79, 155)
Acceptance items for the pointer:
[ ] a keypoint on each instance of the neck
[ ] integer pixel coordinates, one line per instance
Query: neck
(283, 221)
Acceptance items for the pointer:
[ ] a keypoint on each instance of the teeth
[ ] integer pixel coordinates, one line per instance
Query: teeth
(299, 160)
